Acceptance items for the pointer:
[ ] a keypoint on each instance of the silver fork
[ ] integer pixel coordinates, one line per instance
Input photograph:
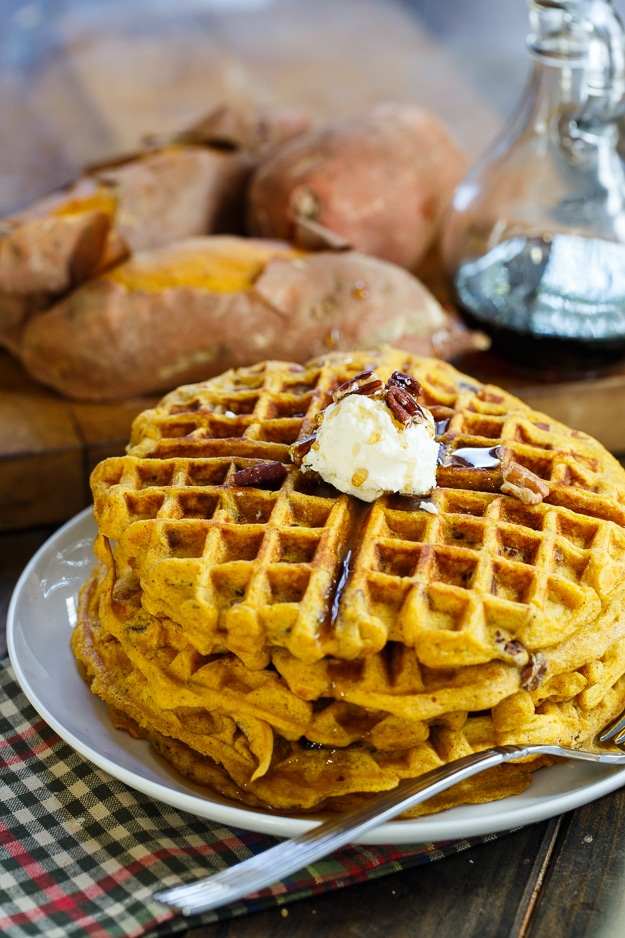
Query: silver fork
(291, 855)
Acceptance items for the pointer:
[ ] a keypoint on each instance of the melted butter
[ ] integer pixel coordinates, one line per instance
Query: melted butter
(360, 476)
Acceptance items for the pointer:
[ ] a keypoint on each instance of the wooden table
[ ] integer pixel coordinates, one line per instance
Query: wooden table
(81, 80)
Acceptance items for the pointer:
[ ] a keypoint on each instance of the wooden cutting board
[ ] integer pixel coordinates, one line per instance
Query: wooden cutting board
(48, 445)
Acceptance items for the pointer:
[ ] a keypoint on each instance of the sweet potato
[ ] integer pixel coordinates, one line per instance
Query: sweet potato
(190, 310)
(59, 241)
(380, 178)
(192, 183)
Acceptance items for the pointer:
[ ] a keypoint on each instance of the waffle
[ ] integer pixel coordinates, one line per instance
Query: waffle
(292, 647)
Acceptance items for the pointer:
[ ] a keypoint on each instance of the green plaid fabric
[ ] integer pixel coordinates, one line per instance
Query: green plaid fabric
(82, 853)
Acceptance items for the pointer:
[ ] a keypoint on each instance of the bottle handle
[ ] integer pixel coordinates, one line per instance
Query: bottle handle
(605, 70)
(588, 35)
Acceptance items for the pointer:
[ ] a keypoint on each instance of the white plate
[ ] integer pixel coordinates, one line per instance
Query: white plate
(40, 620)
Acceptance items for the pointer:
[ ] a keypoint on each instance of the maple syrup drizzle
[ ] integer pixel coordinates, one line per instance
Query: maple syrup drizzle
(472, 457)
(341, 583)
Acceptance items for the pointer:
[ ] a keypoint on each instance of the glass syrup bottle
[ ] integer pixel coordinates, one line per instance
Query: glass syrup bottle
(534, 244)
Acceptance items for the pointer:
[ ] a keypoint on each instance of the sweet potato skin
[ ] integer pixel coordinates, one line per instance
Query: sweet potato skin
(46, 250)
(38, 257)
(380, 178)
(177, 192)
(130, 333)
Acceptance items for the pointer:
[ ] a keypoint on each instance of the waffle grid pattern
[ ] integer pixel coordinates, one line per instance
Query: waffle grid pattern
(248, 630)
(483, 568)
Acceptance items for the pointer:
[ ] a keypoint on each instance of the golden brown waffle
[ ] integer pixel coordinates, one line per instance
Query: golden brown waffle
(248, 736)
(284, 619)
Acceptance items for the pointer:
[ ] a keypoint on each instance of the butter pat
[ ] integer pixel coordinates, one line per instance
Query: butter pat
(362, 450)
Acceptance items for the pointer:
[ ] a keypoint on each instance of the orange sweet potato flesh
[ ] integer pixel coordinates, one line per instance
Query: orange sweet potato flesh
(188, 311)
(380, 178)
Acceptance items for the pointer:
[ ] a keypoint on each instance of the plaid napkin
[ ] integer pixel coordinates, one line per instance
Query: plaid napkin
(81, 853)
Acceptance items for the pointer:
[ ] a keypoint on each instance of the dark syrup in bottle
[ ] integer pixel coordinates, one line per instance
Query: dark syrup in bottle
(554, 304)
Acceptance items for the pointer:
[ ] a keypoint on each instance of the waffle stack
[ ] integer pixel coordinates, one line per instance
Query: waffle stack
(294, 648)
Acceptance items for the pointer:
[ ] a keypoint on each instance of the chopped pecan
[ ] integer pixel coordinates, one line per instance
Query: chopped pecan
(533, 672)
(403, 406)
(367, 382)
(512, 648)
(300, 449)
(259, 474)
(523, 484)
(401, 379)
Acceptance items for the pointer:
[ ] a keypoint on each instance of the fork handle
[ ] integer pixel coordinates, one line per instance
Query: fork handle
(288, 856)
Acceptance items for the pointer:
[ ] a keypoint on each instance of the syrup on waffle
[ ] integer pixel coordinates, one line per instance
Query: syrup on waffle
(253, 622)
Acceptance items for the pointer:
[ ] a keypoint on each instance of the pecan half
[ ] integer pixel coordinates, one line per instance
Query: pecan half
(367, 382)
(403, 406)
(533, 672)
(523, 484)
(259, 474)
(400, 379)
